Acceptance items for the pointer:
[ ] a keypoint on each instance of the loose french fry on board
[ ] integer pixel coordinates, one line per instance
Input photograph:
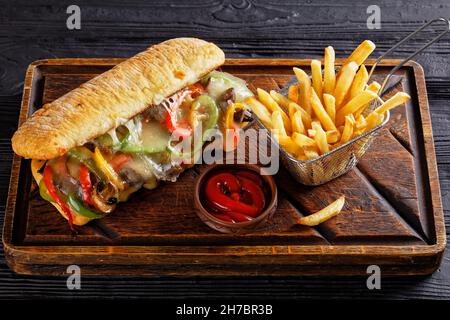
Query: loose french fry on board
(277, 123)
(293, 92)
(329, 72)
(305, 89)
(316, 75)
(353, 105)
(347, 133)
(320, 138)
(359, 83)
(330, 106)
(261, 111)
(323, 215)
(360, 54)
(321, 113)
(344, 82)
(396, 100)
(293, 108)
(297, 123)
(273, 106)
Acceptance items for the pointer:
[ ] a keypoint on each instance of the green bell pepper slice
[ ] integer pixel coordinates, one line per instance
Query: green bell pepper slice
(79, 208)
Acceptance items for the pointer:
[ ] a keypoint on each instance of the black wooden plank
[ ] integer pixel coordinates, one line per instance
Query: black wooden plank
(30, 31)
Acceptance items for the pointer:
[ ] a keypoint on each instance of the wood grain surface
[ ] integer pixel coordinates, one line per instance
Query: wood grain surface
(242, 29)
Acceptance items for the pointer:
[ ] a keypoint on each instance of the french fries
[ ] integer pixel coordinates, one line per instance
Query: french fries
(330, 105)
(323, 215)
(360, 54)
(277, 123)
(358, 85)
(273, 106)
(396, 100)
(261, 111)
(316, 75)
(344, 82)
(329, 73)
(304, 90)
(321, 113)
(293, 92)
(320, 137)
(353, 105)
(347, 133)
(297, 123)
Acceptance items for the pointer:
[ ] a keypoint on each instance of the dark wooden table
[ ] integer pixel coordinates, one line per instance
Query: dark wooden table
(37, 30)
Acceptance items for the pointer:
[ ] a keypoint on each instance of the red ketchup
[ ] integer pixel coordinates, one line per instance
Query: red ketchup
(234, 195)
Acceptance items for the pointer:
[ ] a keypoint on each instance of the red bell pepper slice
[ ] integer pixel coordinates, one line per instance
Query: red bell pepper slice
(196, 90)
(118, 160)
(86, 185)
(48, 181)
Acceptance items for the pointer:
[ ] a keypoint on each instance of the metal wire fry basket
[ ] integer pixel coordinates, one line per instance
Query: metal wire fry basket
(339, 161)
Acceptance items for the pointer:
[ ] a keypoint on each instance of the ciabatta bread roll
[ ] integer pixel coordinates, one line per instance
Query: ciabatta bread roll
(114, 97)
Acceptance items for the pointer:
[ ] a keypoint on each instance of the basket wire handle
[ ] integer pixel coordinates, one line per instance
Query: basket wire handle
(437, 38)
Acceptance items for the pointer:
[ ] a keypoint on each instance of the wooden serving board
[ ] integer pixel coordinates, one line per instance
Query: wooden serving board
(393, 216)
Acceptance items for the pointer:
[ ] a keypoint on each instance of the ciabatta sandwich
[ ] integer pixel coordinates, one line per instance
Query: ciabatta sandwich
(104, 140)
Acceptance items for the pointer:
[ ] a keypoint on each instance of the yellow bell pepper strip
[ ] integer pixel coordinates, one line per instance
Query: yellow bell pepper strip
(107, 170)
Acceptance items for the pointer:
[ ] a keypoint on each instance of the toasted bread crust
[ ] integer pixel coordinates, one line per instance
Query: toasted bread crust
(115, 96)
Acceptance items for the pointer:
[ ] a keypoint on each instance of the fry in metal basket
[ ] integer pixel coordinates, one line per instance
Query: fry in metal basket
(373, 120)
(273, 106)
(311, 133)
(344, 82)
(360, 123)
(293, 108)
(302, 140)
(261, 111)
(316, 75)
(282, 101)
(277, 123)
(360, 54)
(347, 133)
(323, 215)
(293, 92)
(359, 83)
(374, 86)
(288, 144)
(329, 73)
(305, 89)
(320, 138)
(311, 152)
(396, 100)
(333, 136)
(353, 105)
(320, 112)
(297, 123)
(330, 106)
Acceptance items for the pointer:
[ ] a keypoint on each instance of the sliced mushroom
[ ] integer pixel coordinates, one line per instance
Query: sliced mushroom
(227, 98)
(105, 196)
